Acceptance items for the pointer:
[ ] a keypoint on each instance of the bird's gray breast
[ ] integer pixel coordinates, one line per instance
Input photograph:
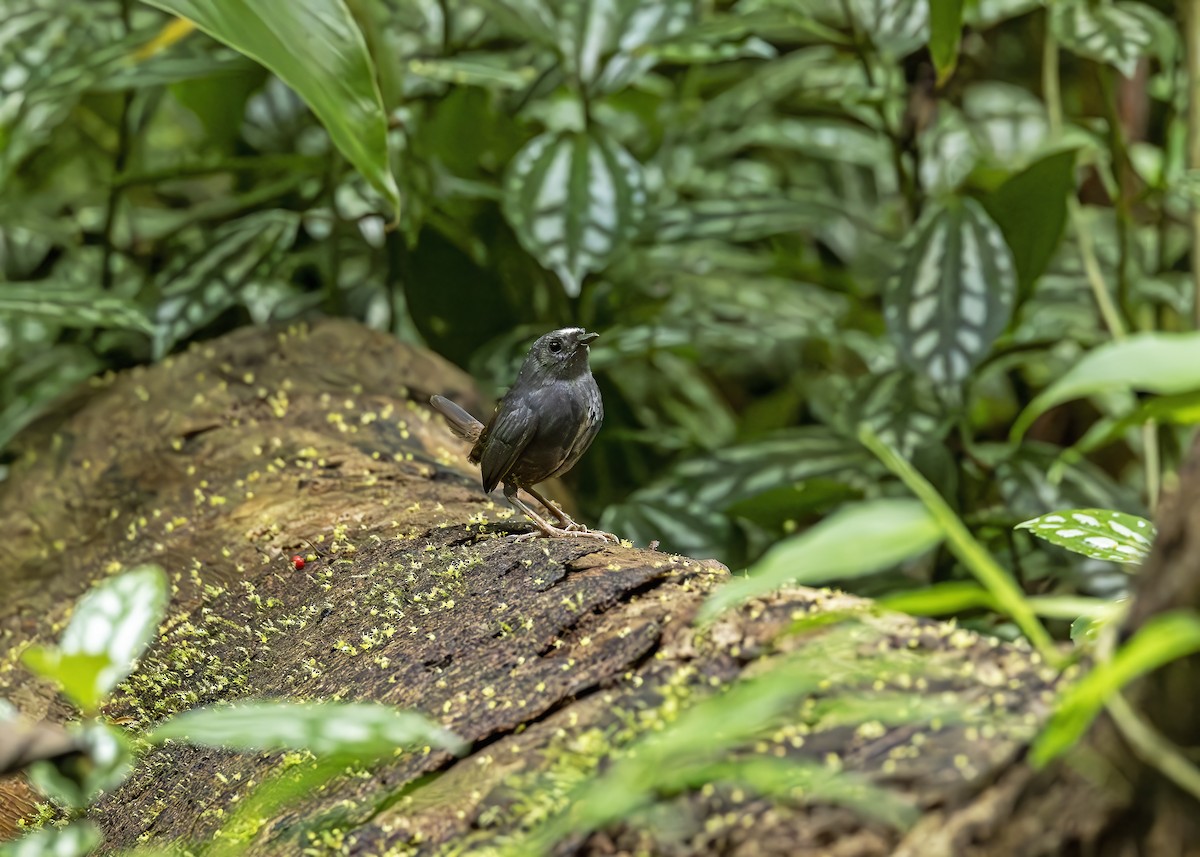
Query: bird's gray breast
(569, 414)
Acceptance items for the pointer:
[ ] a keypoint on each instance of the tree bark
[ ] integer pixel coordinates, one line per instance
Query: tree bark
(548, 656)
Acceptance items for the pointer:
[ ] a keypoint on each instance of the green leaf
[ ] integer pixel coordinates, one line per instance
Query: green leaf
(574, 200)
(69, 306)
(360, 729)
(957, 596)
(1163, 363)
(38, 380)
(620, 30)
(76, 781)
(74, 840)
(198, 287)
(315, 48)
(742, 219)
(953, 294)
(108, 631)
(945, 30)
(1098, 533)
(1164, 638)
(1118, 34)
(856, 541)
(1031, 210)
(896, 27)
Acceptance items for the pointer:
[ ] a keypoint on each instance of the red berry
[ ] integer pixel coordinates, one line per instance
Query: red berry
(297, 562)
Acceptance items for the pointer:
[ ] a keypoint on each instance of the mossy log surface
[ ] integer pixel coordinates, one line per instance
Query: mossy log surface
(550, 657)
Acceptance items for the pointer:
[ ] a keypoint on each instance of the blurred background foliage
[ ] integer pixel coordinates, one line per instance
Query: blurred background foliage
(786, 217)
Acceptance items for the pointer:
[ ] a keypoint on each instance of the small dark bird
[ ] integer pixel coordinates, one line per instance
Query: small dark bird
(541, 427)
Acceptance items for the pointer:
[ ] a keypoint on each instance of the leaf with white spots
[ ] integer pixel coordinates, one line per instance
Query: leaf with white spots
(896, 27)
(67, 305)
(1118, 34)
(604, 41)
(574, 200)
(363, 730)
(953, 294)
(198, 287)
(1097, 533)
(107, 633)
(74, 840)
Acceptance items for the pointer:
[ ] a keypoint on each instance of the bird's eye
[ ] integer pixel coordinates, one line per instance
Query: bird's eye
(555, 346)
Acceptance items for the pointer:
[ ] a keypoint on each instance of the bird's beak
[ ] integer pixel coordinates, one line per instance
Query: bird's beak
(585, 338)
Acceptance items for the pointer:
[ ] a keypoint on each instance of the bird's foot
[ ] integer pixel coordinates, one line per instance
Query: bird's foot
(549, 531)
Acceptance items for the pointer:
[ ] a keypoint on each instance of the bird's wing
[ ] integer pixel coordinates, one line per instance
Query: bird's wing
(503, 441)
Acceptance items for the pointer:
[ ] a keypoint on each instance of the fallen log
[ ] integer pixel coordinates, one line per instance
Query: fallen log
(552, 658)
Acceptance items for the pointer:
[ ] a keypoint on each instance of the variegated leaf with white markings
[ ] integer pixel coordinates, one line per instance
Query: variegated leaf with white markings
(574, 199)
(603, 41)
(897, 27)
(1118, 34)
(1098, 533)
(953, 294)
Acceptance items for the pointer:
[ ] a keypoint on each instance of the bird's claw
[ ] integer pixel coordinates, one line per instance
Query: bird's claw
(553, 532)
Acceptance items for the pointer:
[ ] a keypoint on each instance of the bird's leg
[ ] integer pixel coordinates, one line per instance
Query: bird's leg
(544, 527)
(555, 510)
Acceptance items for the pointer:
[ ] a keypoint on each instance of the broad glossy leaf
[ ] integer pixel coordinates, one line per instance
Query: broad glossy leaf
(953, 294)
(359, 729)
(66, 305)
(108, 630)
(1118, 34)
(1164, 638)
(1098, 533)
(1164, 363)
(1031, 210)
(75, 840)
(858, 540)
(315, 48)
(574, 200)
(76, 783)
(945, 29)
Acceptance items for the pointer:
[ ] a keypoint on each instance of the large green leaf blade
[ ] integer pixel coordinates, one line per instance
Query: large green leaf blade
(859, 540)
(315, 48)
(954, 293)
(1162, 363)
(361, 729)
(574, 200)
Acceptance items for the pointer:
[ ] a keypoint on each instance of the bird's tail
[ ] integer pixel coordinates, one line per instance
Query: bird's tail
(461, 423)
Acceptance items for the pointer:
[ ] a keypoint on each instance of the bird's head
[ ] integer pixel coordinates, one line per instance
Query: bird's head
(561, 353)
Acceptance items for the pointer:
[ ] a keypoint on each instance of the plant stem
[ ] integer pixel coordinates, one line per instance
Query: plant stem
(973, 555)
(1052, 93)
(1191, 26)
(1152, 748)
